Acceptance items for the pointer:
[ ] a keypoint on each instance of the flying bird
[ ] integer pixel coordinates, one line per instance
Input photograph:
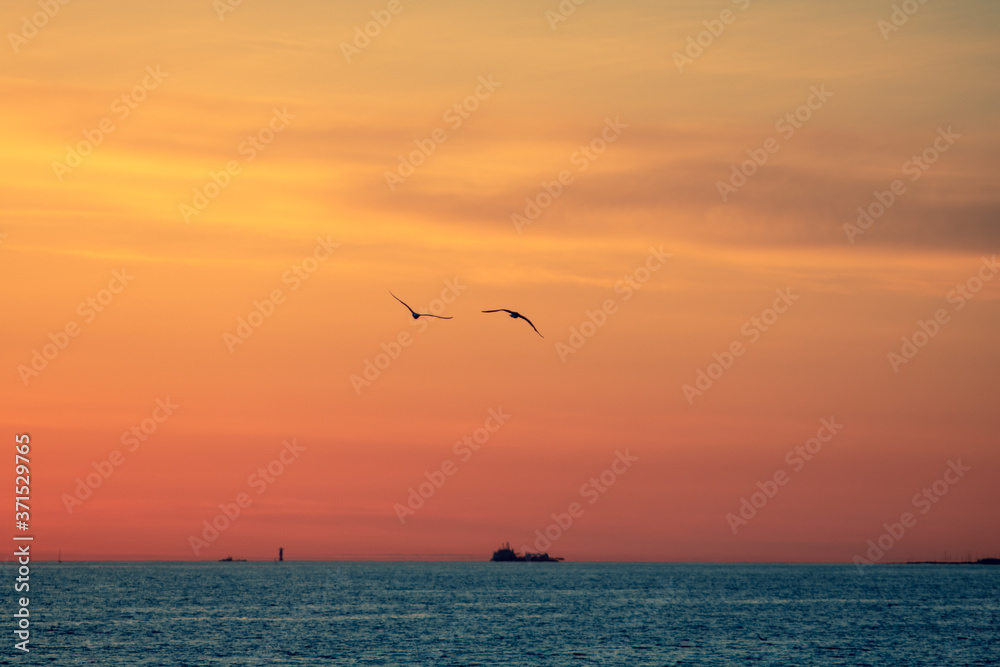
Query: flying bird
(414, 313)
(515, 315)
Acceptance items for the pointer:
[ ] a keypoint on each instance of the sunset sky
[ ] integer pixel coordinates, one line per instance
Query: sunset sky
(244, 155)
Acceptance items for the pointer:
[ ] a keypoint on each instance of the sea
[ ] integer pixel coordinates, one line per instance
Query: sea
(483, 613)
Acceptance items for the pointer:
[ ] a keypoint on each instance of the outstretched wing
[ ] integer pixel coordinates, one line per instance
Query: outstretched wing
(532, 325)
(498, 310)
(437, 316)
(402, 302)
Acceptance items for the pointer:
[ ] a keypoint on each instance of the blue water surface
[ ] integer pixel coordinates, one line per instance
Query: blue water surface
(344, 613)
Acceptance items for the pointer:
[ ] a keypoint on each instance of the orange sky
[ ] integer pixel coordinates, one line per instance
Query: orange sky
(264, 101)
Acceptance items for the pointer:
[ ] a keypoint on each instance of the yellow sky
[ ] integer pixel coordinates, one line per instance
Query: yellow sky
(264, 102)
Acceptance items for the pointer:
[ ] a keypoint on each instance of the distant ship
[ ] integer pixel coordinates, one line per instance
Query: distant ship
(981, 561)
(230, 559)
(506, 554)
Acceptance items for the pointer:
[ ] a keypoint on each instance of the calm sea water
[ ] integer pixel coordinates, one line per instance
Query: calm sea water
(509, 614)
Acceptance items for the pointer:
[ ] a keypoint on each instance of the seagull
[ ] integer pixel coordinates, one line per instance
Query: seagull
(515, 315)
(414, 313)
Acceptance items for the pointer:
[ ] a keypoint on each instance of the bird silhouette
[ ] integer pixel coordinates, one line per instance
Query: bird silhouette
(414, 313)
(515, 315)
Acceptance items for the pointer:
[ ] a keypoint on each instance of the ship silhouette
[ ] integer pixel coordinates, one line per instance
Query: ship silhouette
(505, 554)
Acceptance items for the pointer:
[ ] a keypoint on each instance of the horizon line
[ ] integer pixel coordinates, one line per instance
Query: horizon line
(410, 559)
